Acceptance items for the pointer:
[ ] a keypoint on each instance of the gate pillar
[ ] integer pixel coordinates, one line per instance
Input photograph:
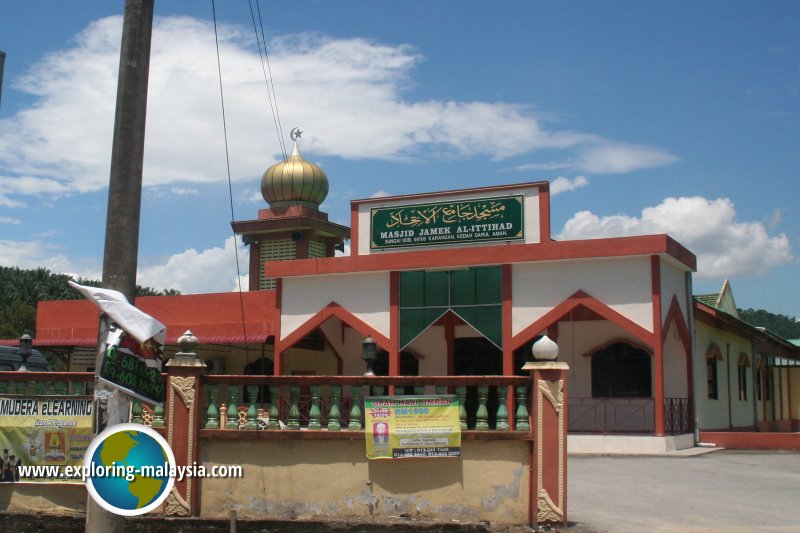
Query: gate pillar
(183, 419)
(549, 451)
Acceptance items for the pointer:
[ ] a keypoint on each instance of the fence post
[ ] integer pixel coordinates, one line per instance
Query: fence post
(183, 419)
(549, 453)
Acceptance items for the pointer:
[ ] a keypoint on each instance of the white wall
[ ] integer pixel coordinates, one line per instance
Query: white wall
(673, 283)
(622, 284)
(714, 414)
(364, 295)
(675, 372)
(432, 349)
(531, 206)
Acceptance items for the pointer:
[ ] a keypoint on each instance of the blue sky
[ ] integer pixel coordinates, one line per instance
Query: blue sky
(679, 118)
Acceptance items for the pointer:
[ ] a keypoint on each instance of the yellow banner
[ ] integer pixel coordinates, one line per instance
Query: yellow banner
(397, 427)
(43, 430)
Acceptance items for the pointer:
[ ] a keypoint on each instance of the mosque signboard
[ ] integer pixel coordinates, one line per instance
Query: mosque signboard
(452, 222)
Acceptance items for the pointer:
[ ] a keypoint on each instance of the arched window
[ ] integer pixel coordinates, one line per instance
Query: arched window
(621, 371)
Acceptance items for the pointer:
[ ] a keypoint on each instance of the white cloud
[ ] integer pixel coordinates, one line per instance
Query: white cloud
(562, 184)
(9, 220)
(193, 272)
(34, 254)
(379, 194)
(351, 90)
(618, 158)
(708, 228)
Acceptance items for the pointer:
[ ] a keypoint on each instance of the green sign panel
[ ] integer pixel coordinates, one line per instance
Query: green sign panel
(484, 219)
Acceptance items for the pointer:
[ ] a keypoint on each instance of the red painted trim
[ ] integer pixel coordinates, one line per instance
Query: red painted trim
(450, 338)
(581, 298)
(507, 333)
(674, 314)
(255, 265)
(277, 368)
(334, 309)
(394, 323)
(486, 255)
(544, 212)
(658, 346)
(353, 229)
(453, 192)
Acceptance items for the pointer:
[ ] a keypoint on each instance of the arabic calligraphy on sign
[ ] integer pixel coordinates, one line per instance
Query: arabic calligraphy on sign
(483, 219)
(449, 214)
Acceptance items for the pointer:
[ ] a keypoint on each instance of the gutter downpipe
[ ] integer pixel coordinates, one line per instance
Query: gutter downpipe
(695, 371)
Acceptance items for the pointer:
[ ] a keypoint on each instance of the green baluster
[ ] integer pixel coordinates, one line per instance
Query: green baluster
(79, 388)
(252, 409)
(12, 387)
(30, 387)
(355, 409)
(461, 392)
(293, 417)
(274, 410)
(233, 409)
(314, 412)
(40, 387)
(50, 388)
(212, 413)
(482, 415)
(441, 389)
(502, 410)
(334, 416)
(61, 387)
(521, 418)
(378, 390)
(419, 390)
(3, 387)
(136, 411)
(158, 416)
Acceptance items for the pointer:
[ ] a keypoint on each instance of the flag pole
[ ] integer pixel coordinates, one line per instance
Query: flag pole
(124, 204)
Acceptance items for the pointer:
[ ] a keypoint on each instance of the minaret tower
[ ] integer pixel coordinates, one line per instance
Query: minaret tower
(292, 227)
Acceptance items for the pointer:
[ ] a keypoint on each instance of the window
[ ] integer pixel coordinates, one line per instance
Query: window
(711, 377)
(744, 364)
(621, 371)
(713, 354)
(742, 383)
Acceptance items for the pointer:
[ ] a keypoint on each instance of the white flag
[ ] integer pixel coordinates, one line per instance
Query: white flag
(113, 303)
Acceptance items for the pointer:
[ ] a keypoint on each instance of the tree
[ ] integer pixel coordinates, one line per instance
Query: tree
(786, 326)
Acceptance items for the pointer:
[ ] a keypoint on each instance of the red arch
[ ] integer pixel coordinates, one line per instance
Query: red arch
(581, 298)
(674, 314)
(331, 310)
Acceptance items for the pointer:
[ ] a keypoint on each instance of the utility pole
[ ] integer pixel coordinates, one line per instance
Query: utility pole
(2, 68)
(124, 200)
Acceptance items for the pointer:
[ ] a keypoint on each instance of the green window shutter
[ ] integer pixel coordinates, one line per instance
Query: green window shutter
(474, 294)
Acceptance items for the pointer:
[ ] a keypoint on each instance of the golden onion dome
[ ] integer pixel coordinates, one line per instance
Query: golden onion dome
(294, 182)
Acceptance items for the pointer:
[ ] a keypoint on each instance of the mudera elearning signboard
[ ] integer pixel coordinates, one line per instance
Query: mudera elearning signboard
(456, 222)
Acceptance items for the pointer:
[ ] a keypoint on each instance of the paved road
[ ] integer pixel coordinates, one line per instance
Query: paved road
(723, 491)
